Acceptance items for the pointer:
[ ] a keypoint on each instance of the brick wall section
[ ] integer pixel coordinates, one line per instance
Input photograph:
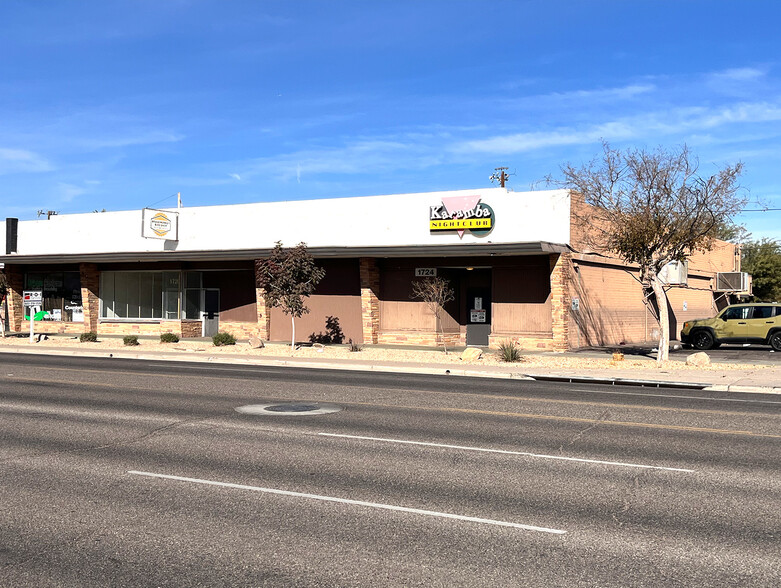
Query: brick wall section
(525, 343)
(370, 301)
(561, 270)
(186, 328)
(263, 326)
(264, 314)
(15, 304)
(240, 330)
(54, 327)
(90, 295)
(422, 338)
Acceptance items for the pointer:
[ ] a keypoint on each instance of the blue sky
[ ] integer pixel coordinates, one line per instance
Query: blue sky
(119, 105)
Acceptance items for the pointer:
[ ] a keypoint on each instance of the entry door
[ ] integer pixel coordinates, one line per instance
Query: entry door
(210, 317)
(478, 315)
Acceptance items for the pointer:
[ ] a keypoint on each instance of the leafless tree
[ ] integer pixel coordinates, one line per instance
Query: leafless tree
(651, 208)
(435, 293)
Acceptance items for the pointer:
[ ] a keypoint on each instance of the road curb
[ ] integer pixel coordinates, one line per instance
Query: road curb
(438, 371)
(619, 381)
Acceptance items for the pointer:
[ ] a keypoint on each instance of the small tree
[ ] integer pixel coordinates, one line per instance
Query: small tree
(651, 208)
(762, 259)
(435, 293)
(287, 277)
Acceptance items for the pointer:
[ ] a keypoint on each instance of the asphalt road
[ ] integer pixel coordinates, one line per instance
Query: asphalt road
(129, 473)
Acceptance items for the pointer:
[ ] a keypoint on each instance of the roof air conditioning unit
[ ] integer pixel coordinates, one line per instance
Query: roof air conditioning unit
(675, 273)
(733, 282)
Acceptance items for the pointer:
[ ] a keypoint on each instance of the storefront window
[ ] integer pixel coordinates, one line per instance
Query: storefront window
(61, 295)
(139, 295)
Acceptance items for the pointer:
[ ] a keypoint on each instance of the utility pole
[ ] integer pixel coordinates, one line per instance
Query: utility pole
(178, 200)
(499, 175)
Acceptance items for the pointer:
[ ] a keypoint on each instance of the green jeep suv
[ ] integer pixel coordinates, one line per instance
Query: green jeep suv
(739, 323)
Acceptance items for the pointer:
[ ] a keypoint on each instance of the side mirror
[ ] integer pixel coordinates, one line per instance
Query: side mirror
(724, 317)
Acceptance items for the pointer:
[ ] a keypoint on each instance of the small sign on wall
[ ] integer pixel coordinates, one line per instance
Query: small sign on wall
(576, 304)
(477, 315)
(160, 224)
(425, 272)
(685, 305)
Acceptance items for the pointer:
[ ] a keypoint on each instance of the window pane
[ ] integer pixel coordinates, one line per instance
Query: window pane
(157, 295)
(192, 304)
(133, 299)
(107, 294)
(192, 280)
(120, 294)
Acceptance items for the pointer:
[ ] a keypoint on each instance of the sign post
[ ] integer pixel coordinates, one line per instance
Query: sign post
(32, 299)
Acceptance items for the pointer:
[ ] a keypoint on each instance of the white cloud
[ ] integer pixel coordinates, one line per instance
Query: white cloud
(22, 161)
(235, 176)
(645, 126)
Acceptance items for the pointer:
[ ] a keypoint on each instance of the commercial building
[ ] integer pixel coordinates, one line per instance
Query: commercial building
(515, 261)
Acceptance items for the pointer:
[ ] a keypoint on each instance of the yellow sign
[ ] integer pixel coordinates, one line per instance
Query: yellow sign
(460, 224)
(160, 224)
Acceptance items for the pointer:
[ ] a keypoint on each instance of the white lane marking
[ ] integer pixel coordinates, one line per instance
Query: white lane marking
(507, 452)
(684, 397)
(59, 411)
(419, 511)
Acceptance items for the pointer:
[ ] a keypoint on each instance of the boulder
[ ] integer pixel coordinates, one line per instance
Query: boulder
(471, 354)
(700, 359)
(256, 342)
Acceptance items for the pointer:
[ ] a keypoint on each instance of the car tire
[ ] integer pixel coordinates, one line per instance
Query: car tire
(775, 341)
(703, 340)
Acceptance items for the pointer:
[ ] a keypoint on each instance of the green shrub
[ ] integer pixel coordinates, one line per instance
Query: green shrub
(90, 337)
(221, 339)
(509, 352)
(130, 340)
(169, 338)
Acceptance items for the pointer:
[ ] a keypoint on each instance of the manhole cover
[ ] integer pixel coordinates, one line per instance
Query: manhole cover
(283, 408)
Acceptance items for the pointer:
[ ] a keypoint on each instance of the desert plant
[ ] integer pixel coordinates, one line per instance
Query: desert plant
(169, 338)
(354, 347)
(130, 340)
(89, 337)
(435, 293)
(222, 339)
(509, 352)
(333, 332)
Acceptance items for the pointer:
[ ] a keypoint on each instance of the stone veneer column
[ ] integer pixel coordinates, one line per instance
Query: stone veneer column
(15, 280)
(264, 314)
(561, 266)
(370, 302)
(90, 295)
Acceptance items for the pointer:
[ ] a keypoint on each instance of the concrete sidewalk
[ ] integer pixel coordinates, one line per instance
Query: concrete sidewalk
(751, 378)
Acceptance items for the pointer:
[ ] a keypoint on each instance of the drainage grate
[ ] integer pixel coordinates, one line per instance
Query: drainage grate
(289, 408)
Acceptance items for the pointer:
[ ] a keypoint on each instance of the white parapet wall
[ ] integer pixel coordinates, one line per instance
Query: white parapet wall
(399, 220)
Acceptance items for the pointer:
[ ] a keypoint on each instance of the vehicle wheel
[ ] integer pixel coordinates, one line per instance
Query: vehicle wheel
(775, 341)
(703, 340)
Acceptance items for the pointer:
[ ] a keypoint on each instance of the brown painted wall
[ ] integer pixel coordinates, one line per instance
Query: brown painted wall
(237, 294)
(338, 295)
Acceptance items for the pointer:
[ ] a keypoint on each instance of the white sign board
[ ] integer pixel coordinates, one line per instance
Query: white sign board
(477, 315)
(32, 297)
(425, 272)
(160, 224)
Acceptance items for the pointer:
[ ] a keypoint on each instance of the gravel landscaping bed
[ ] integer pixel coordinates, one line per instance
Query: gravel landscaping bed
(367, 354)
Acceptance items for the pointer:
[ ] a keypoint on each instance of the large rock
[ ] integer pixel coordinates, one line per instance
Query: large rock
(700, 359)
(471, 354)
(256, 342)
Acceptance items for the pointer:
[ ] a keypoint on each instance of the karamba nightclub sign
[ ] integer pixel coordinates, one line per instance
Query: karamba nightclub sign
(461, 213)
